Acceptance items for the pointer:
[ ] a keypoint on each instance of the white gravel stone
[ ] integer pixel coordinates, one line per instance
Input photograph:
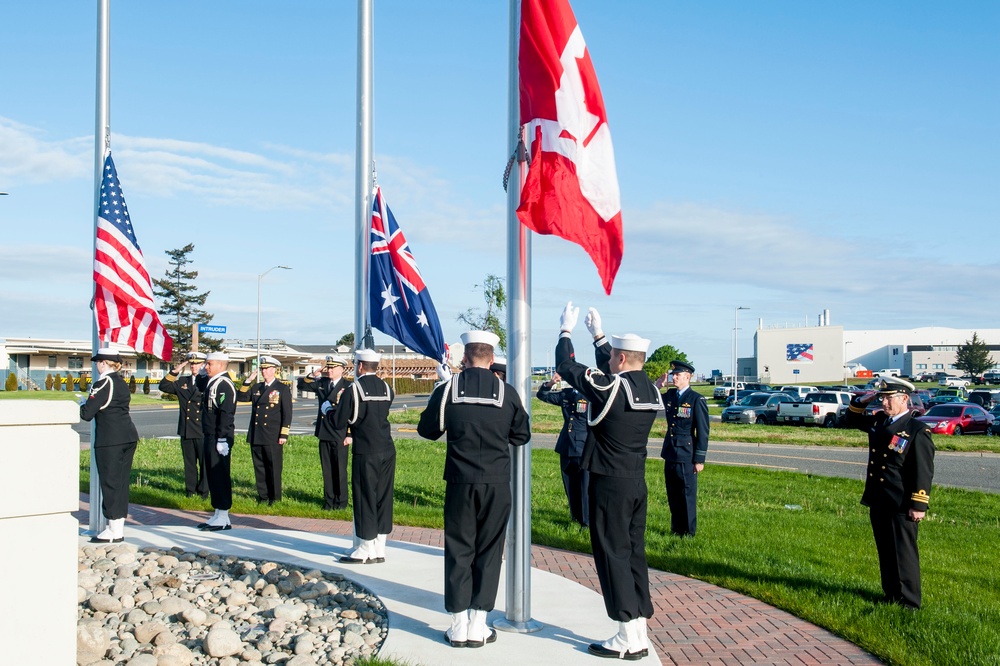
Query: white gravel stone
(92, 642)
(222, 642)
(104, 603)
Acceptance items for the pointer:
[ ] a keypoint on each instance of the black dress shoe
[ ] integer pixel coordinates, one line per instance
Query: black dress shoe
(458, 644)
(98, 540)
(600, 651)
(203, 526)
(375, 560)
(352, 560)
(491, 638)
(219, 528)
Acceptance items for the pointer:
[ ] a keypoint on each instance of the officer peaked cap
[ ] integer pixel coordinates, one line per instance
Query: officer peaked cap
(107, 354)
(681, 366)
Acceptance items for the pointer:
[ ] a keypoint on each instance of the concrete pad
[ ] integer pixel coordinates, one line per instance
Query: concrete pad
(411, 585)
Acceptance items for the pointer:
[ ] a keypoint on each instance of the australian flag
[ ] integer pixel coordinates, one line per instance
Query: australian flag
(799, 353)
(398, 300)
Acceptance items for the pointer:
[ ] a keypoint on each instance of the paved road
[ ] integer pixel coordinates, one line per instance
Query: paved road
(973, 471)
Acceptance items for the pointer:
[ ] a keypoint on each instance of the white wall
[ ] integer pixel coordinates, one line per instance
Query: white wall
(41, 489)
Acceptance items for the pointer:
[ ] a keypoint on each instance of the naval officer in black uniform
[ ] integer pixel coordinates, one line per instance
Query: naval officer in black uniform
(115, 438)
(897, 486)
(363, 411)
(189, 422)
(483, 416)
(570, 444)
(270, 420)
(328, 385)
(218, 411)
(684, 447)
(622, 409)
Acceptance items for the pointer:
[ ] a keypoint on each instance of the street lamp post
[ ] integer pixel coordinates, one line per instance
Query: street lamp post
(259, 278)
(736, 348)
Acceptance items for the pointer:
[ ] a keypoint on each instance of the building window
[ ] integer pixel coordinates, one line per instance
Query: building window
(938, 366)
(52, 361)
(75, 363)
(921, 366)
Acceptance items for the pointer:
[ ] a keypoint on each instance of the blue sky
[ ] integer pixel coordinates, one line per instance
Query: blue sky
(783, 156)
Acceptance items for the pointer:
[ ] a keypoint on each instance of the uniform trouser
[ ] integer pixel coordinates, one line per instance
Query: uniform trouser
(618, 539)
(114, 467)
(267, 464)
(898, 560)
(195, 474)
(373, 478)
(475, 520)
(682, 496)
(333, 461)
(220, 481)
(575, 482)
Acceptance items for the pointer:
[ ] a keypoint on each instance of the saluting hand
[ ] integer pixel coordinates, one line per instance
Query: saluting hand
(568, 318)
(593, 322)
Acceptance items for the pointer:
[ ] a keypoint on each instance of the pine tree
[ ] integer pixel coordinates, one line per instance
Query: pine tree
(346, 339)
(145, 385)
(974, 356)
(131, 384)
(181, 304)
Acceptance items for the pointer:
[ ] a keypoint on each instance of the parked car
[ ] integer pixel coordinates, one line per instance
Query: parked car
(995, 428)
(888, 372)
(992, 377)
(761, 408)
(945, 395)
(925, 394)
(985, 398)
(825, 408)
(724, 390)
(925, 377)
(953, 381)
(799, 392)
(957, 419)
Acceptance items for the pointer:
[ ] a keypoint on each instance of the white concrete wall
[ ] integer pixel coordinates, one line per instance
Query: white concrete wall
(40, 489)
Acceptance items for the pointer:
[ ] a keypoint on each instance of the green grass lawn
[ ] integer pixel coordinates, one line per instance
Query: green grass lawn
(818, 562)
(138, 398)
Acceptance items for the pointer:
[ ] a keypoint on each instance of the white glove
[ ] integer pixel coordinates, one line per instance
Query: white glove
(444, 372)
(325, 407)
(567, 320)
(82, 399)
(222, 446)
(593, 322)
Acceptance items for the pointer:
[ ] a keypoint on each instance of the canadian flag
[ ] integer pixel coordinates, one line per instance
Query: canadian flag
(571, 189)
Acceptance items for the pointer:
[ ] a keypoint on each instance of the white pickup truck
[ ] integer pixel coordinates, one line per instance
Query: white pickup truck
(954, 382)
(727, 388)
(825, 408)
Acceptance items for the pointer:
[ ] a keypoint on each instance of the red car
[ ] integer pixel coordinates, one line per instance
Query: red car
(957, 418)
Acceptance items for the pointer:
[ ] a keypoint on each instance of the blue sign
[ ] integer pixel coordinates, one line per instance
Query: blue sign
(209, 328)
(794, 372)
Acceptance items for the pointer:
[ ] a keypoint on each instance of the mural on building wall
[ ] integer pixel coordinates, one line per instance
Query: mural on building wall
(799, 353)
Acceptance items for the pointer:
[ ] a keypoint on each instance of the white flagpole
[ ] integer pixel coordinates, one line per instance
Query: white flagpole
(518, 616)
(363, 165)
(102, 140)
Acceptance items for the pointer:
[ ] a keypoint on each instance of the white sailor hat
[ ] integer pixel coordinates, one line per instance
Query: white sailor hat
(893, 385)
(269, 362)
(196, 357)
(217, 356)
(335, 360)
(481, 337)
(107, 354)
(629, 342)
(367, 355)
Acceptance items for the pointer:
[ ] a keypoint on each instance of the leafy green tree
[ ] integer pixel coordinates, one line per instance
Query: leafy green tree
(495, 295)
(346, 339)
(181, 304)
(974, 356)
(659, 362)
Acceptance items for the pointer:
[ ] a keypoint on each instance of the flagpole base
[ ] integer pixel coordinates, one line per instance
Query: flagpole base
(512, 626)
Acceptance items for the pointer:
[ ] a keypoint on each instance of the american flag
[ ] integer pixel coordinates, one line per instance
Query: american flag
(123, 296)
(799, 353)
(399, 302)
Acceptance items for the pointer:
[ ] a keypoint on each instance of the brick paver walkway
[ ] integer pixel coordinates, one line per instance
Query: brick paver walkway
(693, 623)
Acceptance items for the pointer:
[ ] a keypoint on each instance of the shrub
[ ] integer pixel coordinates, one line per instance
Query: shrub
(11, 383)
(58, 382)
(49, 382)
(70, 382)
(145, 385)
(84, 382)
(131, 384)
